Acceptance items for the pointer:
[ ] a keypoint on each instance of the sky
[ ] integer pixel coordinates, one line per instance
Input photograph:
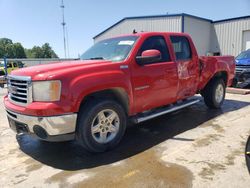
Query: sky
(35, 22)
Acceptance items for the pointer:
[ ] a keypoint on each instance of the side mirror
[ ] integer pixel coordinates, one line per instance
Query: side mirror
(148, 57)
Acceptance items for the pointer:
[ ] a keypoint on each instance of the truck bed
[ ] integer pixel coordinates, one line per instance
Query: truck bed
(212, 64)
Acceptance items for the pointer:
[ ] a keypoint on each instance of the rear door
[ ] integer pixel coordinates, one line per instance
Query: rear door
(154, 84)
(187, 65)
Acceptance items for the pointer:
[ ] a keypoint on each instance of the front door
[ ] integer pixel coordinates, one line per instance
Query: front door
(154, 84)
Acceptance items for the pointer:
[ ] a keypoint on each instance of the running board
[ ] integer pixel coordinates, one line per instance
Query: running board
(166, 110)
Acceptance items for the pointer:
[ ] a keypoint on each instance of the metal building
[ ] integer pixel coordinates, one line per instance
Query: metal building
(225, 37)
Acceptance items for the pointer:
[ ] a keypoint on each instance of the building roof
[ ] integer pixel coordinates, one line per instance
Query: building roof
(169, 15)
(232, 19)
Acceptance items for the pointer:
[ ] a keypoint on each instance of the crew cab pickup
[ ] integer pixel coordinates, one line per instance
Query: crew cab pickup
(131, 77)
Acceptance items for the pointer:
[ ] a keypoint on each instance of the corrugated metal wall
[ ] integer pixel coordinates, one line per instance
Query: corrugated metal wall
(200, 31)
(225, 37)
(171, 24)
(229, 35)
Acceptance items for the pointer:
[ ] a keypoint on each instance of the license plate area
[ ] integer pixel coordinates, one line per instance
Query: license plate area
(18, 126)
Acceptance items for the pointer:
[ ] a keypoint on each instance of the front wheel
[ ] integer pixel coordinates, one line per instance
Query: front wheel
(214, 93)
(101, 125)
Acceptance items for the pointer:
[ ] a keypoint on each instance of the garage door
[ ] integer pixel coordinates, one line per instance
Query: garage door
(246, 40)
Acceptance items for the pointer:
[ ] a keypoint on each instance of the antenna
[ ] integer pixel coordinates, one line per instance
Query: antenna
(63, 25)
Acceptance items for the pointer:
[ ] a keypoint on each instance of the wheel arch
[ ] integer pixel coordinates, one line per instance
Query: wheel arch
(220, 74)
(117, 94)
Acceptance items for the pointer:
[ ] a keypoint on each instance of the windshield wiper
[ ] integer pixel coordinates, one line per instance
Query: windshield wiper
(96, 58)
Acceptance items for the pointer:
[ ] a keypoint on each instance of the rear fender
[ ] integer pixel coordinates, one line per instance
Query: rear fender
(216, 67)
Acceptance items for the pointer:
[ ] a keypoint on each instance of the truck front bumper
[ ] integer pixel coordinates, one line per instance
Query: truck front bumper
(52, 128)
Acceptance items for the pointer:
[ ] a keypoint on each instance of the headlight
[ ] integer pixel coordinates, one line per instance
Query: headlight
(45, 91)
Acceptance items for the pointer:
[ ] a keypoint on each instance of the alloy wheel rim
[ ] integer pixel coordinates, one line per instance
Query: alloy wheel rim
(219, 93)
(105, 126)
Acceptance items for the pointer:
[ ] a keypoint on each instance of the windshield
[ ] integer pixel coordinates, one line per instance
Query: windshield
(1, 64)
(115, 49)
(244, 55)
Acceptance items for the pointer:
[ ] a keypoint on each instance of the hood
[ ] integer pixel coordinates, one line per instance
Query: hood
(53, 70)
(242, 61)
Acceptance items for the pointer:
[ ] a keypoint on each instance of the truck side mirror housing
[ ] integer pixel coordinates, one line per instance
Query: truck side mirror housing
(148, 57)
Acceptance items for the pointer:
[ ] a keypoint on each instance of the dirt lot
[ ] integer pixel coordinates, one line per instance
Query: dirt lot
(194, 147)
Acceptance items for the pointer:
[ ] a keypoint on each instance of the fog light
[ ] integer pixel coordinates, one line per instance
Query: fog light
(40, 132)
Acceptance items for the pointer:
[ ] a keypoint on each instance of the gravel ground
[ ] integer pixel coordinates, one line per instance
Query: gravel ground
(195, 147)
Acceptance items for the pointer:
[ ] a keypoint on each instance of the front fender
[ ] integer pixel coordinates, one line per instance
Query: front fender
(87, 84)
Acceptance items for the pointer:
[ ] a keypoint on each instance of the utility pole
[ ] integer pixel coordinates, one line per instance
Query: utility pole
(63, 25)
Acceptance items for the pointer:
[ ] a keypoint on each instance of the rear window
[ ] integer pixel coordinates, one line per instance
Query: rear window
(181, 47)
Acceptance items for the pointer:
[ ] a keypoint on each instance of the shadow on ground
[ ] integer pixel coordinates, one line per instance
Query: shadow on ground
(70, 156)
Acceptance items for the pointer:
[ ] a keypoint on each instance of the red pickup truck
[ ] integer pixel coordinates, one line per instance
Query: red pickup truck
(131, 77)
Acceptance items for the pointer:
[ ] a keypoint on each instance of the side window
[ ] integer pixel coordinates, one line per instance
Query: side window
(181, 47)
(156, 43)
(15, 64)
(9, 65)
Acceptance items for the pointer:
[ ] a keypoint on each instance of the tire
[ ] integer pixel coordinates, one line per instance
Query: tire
(234, 83)
(214, 93)
(95, 121)
(248, 154)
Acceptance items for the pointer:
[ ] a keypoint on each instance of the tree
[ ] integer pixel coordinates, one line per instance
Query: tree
(35, 52)
(48, 52)
(11, 50)
(5, 41)
(41, 52)
(4, 46)
(15, 50)
(18, 50)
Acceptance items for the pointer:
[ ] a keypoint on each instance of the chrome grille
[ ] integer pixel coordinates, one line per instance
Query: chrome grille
(241, 68)
(19, 89)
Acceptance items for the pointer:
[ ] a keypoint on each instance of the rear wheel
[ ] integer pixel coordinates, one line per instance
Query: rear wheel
(214, 93)
(101, 125)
